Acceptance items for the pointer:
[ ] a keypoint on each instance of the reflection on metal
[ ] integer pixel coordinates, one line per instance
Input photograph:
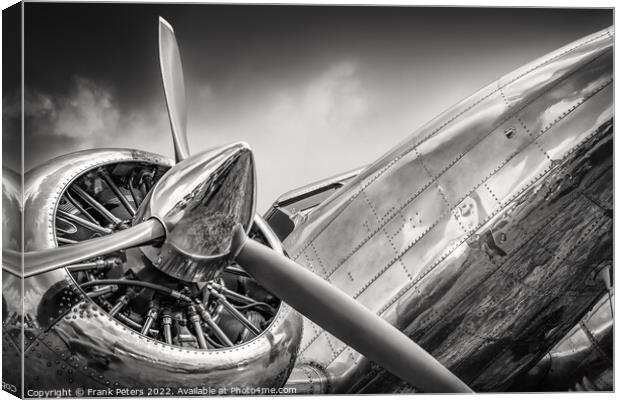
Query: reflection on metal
(199, 201)
(473, 243)
(93, 341)
(582, 360)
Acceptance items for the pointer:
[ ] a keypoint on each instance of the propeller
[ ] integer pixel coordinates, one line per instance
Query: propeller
(39, 262)
(343, 317)
(198, 215)
(174, 88)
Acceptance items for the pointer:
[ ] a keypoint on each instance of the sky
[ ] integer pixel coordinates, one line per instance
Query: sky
(315, 91)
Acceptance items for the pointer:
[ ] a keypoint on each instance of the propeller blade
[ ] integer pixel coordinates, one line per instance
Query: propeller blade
(344, 317)
(174, 88)
(39, 262)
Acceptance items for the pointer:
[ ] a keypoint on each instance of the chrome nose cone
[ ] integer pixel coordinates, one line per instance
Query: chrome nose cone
(199, 202)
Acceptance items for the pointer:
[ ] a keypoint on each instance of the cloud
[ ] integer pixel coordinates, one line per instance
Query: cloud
(334, 99)
(85, 113)
(11, 131)
(87, 116)
(299, 130)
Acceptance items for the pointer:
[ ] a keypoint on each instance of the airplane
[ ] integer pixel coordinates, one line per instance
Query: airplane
(476, 255)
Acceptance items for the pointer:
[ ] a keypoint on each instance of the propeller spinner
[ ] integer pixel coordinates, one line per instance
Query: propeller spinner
(199, 202)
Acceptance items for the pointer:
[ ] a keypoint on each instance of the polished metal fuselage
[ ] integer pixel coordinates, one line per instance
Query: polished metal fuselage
(71, 342)
(582, 360)
(585, 354)
(479, 234)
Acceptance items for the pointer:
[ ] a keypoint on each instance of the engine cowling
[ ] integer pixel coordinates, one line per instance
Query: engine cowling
(75, 339)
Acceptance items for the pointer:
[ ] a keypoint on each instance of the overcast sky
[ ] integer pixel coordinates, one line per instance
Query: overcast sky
(314, 90)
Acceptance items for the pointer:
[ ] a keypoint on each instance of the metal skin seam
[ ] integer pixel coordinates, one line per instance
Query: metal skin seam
(434, 178)
(426, 272)
(501, 353)
(446, 213)
(438, 129)
(591, 227)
